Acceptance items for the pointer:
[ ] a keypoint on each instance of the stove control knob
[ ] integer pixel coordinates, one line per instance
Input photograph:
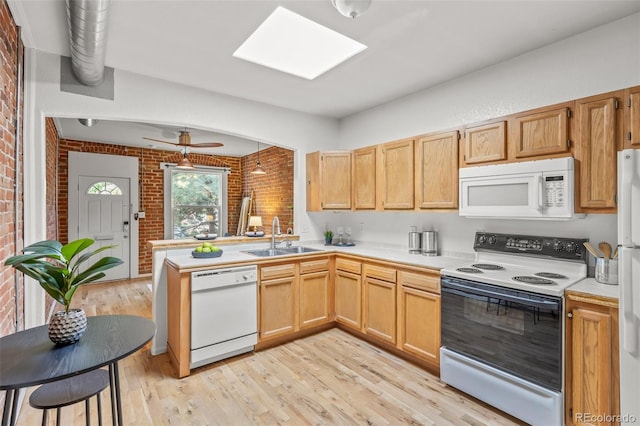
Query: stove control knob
(492, 239)
(558, 246)
(571, 247)
(482, 238)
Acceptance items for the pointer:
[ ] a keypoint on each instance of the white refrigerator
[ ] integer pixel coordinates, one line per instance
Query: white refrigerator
(629, 283)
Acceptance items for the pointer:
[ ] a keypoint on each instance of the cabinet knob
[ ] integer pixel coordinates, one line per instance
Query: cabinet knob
(569, 314)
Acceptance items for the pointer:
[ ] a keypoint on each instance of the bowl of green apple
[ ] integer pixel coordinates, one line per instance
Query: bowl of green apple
(206, 250)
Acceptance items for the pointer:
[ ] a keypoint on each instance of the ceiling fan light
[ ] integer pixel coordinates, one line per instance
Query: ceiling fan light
(351, 8)
(185, 164)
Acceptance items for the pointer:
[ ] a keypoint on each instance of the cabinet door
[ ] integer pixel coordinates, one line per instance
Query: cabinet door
(348, 288)
(277, 307)
(315, 308)
(380, 309)
(542, 133)
(335, 180)
(437, 171)
(364, 178)
(632, 118)
(596, 148)
(593, 363)
(420, 324)
(486, 143)
(396, 177)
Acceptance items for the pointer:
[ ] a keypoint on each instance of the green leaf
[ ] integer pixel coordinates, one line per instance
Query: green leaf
(101, 265)
(88, 255)
(69, 251)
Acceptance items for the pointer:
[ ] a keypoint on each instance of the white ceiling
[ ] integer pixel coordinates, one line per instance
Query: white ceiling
(412, 45)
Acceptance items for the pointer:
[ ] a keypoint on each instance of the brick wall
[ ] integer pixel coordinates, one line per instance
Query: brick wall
(152, 187)
(51, 138)
(274, 190)
(11, 319)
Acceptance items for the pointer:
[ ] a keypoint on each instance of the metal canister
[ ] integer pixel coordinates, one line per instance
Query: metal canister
(415, 241)
(430, 243)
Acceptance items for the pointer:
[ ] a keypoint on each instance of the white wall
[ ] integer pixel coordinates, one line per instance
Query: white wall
(603, 59)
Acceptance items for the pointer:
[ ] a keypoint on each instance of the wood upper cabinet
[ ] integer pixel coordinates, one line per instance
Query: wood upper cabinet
(485, 143)
(419, 315)
(632, 118)
(314, 293)
(364, 178)
(277, 300)
(395, 175)
(598, 121)
(348, 293)
(380, 302)
(592, 382)
(328, 180)
(437, 171)
(541, 133)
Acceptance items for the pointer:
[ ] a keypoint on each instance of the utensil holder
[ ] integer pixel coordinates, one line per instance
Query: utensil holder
(430, 243)
(606, 271)
(415, 242)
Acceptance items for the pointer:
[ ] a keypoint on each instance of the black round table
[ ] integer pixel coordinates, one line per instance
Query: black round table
(29, 358)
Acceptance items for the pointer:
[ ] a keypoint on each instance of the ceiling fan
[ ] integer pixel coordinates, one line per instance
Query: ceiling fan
(184, 140)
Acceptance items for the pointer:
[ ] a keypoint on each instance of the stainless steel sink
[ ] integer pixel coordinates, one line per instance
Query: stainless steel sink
(280, 251)
(265, 252)
(298, 249)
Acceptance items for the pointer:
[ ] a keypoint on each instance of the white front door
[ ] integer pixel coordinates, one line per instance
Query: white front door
(103, 216)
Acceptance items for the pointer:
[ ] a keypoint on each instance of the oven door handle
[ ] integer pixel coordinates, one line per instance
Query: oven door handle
(463, 290)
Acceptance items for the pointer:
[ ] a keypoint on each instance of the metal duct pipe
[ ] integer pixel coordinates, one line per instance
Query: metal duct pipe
(88, 21)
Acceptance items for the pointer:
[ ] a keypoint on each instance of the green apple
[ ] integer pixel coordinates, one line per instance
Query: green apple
(199, 249)
(206, 249)
(207, 245)
(214, 248)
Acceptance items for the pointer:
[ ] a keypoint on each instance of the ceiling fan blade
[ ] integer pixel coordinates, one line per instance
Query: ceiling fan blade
(158, 140)
(207, 145)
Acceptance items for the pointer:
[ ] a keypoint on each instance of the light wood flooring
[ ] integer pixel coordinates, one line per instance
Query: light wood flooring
(330, 378)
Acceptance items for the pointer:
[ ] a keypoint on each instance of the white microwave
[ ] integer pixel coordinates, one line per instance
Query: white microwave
(542, 189)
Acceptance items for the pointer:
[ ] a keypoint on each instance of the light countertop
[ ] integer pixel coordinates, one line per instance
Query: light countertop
(235, 255)
(590, 287)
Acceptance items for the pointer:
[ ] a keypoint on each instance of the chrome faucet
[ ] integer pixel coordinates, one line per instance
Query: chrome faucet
(275, 229)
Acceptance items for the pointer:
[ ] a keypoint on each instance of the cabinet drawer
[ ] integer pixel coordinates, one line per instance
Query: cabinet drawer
(314, 266)
(348, 266)
(426, 282)
(380, 272)
(278, 271)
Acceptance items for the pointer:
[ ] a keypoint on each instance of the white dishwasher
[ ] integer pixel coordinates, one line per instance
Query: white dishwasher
(223, 313)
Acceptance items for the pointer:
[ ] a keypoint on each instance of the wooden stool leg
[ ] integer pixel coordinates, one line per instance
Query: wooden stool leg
(58, 417)
(87, 411)
(99, 409)
(44, 418)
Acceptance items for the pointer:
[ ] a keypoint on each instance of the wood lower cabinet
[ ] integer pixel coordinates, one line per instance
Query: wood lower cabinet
(419, 315)
(485, 143)
(314, 293)
(599, 123)
(348, 293)
(395, 184)
(379, 302)
(364, 178)
(328, 180)
(277, 300)
(592, 366)
(437, 171)
(632, 117)
(541, 133)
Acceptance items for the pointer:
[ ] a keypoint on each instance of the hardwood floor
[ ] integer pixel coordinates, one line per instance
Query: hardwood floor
(330, 378)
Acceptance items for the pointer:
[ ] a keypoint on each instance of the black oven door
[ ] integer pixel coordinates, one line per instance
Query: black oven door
(512, 330)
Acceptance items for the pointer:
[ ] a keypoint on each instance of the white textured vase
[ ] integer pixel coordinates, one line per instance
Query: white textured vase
(67, 328)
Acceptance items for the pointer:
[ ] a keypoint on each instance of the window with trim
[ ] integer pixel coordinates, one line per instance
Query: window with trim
(195, 201)
(104, 188)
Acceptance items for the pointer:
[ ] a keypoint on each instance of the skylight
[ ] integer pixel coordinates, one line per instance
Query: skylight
(291, 43)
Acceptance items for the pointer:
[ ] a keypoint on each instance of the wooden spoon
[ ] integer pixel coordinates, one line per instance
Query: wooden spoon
(591, 249)
(605, 248)
(615, 254)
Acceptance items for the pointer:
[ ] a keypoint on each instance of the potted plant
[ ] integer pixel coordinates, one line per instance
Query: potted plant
(328, 237)
(60, 270)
